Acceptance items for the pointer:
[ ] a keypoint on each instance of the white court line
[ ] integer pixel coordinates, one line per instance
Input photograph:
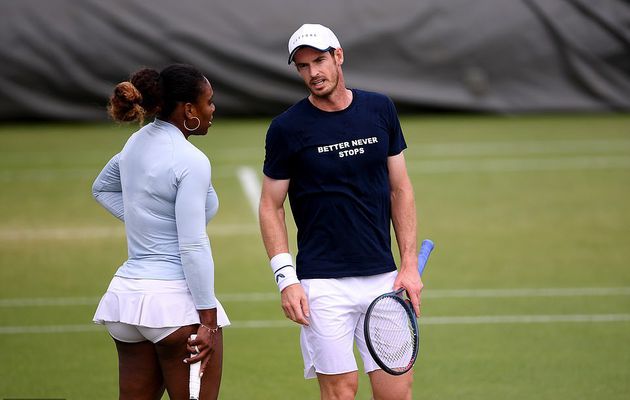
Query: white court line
(261, 324)
(519, 165)
(91, 301)
(251, 186)
(539, 292)
(54, 233)
(256, 153)
(524, 319)
(97, 232)
(444, 165)
(528, 147)
(274, 296)
(49, 302)
(52, 173)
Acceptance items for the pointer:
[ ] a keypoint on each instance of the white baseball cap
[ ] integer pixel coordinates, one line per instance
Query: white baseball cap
(313, 35)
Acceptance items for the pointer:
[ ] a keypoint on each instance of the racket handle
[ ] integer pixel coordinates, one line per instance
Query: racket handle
(194, 379)
(425, 250)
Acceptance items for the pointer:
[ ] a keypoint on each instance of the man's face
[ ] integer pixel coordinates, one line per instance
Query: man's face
(320, 70)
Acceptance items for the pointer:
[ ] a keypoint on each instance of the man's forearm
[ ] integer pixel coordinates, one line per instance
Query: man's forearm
(404, 222)
(274, 231)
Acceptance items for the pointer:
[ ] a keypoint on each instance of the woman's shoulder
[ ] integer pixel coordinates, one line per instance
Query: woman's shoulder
(186, 153)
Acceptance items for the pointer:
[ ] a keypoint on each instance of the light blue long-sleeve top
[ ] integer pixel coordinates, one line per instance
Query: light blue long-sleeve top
(160, 186)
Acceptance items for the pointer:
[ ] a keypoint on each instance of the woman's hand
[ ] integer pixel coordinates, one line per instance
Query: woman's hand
(202, 346)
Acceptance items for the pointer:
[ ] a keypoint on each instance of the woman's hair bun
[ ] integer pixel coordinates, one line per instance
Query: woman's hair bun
(125, 103)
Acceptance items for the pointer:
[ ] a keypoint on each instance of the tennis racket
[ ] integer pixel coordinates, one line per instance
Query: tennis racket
(391, 329)
(194, 382)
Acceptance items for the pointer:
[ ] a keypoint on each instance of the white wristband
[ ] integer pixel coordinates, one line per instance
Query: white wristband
(283, 270)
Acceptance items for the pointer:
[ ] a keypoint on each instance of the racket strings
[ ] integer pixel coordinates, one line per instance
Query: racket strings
(392, 334)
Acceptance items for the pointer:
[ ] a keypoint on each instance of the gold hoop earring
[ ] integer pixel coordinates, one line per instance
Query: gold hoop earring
(192, 129)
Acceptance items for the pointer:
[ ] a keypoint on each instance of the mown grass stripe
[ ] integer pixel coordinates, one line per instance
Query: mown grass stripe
(273, 296)
(262, 324)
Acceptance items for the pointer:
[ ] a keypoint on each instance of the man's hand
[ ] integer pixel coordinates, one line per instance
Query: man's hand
(295, 304)
(409, 279)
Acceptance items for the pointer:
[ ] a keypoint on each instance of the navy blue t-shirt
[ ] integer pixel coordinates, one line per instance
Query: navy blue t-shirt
(339, 189)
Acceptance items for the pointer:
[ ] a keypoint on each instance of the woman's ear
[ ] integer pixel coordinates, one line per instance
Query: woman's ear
(189, 110)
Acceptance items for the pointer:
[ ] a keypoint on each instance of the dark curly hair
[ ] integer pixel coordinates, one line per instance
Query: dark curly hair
(149, 92)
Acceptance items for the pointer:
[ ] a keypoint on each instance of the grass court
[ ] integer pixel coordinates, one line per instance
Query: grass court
(527, 294)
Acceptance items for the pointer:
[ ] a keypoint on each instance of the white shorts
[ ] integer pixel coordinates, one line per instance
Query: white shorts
(134, 310)
(337, 312)
(135, 334)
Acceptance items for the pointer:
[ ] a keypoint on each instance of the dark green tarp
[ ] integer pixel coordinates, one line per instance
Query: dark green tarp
(59, 59)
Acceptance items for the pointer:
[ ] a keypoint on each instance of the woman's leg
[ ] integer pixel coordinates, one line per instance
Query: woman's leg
(139, 373)
(171, 354)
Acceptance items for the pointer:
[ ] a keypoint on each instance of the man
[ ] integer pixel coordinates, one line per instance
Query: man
(338, 155)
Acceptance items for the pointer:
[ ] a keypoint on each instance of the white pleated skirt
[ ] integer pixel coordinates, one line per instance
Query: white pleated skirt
(151, 303)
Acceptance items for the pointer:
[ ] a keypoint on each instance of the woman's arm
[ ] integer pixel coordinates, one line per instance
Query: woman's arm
(107, 189)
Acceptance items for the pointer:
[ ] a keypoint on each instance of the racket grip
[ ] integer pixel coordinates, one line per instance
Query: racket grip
(425, 250)
(194, 383)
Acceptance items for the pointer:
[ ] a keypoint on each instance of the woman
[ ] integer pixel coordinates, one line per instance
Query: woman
(159, 185)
